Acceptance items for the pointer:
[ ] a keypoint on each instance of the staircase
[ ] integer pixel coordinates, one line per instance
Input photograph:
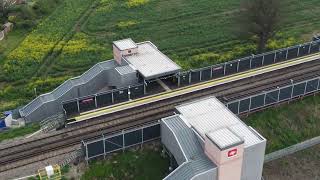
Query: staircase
(52, 122)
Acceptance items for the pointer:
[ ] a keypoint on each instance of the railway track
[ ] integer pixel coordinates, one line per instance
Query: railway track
(11, 156)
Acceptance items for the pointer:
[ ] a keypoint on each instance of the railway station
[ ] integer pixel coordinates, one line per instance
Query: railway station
(208, 142)
(204, 139)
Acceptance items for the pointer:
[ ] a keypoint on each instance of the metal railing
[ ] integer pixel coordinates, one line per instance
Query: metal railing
(121, 141)
(274, 96)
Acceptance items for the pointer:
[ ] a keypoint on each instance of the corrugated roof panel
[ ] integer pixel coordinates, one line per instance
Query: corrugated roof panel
(125, 44)
(125, 69)
(224, 138)
(152, 63)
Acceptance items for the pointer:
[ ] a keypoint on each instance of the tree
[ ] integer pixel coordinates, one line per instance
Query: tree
(261, 19)
(5, 5)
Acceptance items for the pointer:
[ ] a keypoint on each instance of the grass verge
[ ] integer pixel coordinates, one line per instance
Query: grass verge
(141, 164)
(288, 124)
(17, 132)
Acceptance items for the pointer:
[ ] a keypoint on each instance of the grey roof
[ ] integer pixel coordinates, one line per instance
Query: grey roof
(128, 69)
(196, 161)
(209, 114)
(152, 63)
(224, 138)
(125, 44)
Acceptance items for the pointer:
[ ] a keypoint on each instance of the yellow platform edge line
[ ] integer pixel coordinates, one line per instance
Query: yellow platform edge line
(198, 86)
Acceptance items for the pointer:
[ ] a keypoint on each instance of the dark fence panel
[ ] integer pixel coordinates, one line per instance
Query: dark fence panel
(122, 140)
(256, 61)
(184, 79)
(231, 68)
(87, 104)
(195, 76)
(234, 107)
(151, 132)
(281, 55)
(272, 97)
(206, 74)
(136, 92)
(114, 143)
(314, 47)
(257, 101)
(312, 85)
(71, 108)
(217, 71)
(285, 93)
(244, 64)
(120, 96)
(293, 52)
(95, 149)
(134, 137)
(244, 105)
(304, 50)
(269, 59)
(298, 89)
(275, 96)
(104, 99)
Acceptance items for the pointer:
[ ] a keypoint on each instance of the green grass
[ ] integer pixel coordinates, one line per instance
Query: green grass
(192, 33)
(288, 124)
(11, 42)
(142, 165)
(17, 132)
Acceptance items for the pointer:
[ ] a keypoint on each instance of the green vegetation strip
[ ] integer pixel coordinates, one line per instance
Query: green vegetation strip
(288, 124)
(17, 132)
(24, 60)
(141, 164)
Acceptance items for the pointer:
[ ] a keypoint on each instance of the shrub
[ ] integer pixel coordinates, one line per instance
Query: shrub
(136, 3)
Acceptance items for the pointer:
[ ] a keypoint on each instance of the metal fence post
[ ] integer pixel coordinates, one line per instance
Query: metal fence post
(238, 64)
(224, 69)
(263, 60)
(200, 75)
(104, 146)
(298, 50)
(142, 136)
(95, 101)
(129, 93)
(287, 53)
(78, 105)
(275, 57)
(305, 88)
(239, 107)
(309, 51)
(190, 77)
(211, 73)
(112, 98)
(123, 143)
(251, 62)
(179, 80)
(250, 104)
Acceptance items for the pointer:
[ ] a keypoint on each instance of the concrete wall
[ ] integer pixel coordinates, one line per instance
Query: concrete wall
(253, 159)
